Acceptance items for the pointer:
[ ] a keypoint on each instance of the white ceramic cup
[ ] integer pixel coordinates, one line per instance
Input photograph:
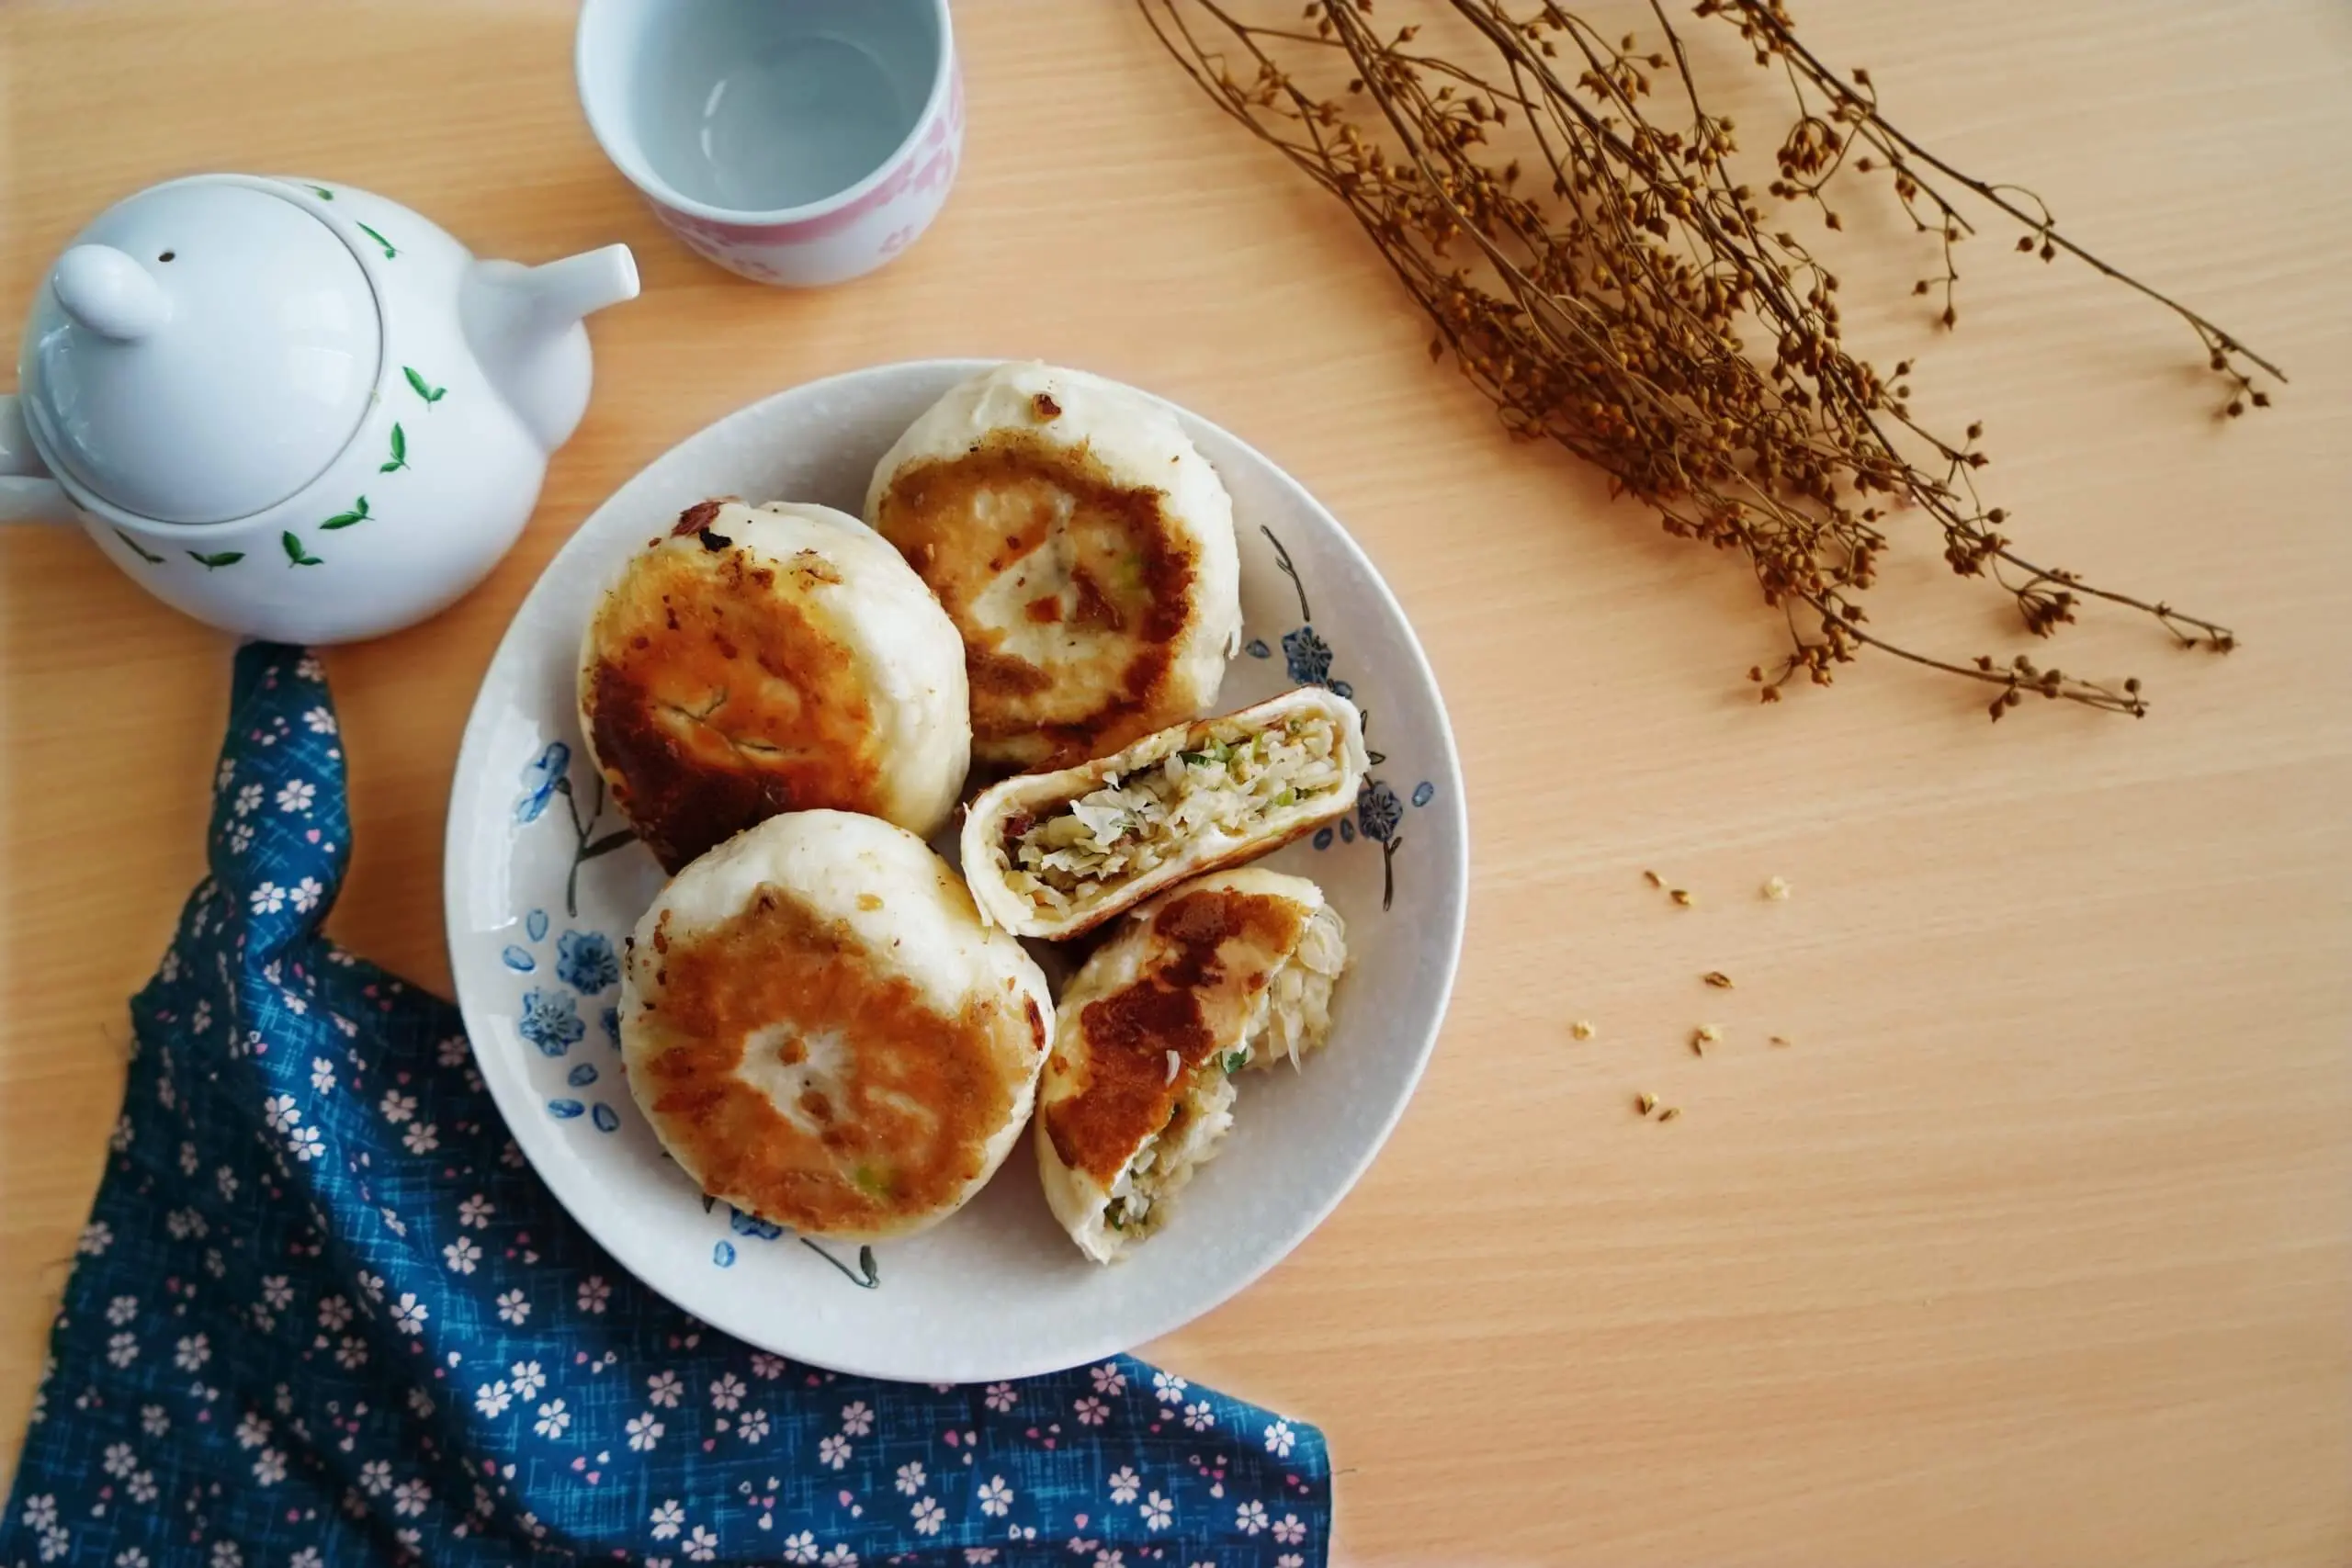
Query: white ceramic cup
(794, 141)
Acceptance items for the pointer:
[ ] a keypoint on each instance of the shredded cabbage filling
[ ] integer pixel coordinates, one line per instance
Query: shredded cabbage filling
(1232, 786)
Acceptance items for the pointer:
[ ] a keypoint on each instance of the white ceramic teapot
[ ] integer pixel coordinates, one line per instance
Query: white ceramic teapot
(295, 410)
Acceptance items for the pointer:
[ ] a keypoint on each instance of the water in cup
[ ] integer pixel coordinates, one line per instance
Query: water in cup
(763, 105)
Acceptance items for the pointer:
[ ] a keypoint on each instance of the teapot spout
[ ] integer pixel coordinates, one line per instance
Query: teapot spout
(523, 324)
(576, 286)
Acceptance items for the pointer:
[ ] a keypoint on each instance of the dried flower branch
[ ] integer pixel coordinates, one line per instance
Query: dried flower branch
(1598, 274)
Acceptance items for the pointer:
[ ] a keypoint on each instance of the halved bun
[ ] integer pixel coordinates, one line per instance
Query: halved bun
(1233, 970)
(1056, 854)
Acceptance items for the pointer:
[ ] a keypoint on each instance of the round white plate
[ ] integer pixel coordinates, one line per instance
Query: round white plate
(998, 1291)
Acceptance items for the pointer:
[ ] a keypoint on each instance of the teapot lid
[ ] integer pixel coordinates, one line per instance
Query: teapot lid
(204, 350)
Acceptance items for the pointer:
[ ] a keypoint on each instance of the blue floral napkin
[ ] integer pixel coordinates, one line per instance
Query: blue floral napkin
(323, 1314)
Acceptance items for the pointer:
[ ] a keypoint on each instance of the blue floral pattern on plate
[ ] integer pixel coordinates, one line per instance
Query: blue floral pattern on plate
(1379, 815)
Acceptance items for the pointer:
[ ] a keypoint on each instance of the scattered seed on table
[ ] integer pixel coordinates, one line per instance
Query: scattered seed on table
(1645, 1103)
(1706, 1034)
(1669, 1113)
(1775, 889)
(1681, 895)
(1718, 979)
(1653, 879)
(1581, 1029)
(1776, 1040)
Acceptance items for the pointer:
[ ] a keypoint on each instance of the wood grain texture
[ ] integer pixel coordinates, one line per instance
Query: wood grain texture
(2035, 1246)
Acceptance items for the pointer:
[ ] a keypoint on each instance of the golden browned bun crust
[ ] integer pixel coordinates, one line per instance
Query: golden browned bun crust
(1084, 550)
(821, 1032)
(767, 659)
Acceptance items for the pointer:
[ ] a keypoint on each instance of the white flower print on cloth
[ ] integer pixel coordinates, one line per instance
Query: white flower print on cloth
(319, 1274)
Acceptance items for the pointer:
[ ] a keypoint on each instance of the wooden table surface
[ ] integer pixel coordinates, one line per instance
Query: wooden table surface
(2035, 1247)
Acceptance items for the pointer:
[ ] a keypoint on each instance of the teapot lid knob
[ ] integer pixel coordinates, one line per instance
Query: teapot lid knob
(105, 290)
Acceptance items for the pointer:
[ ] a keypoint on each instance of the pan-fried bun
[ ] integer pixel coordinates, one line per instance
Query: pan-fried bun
(1084, 548)
(1230, 971)
(779, 658)
(822, 1031)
